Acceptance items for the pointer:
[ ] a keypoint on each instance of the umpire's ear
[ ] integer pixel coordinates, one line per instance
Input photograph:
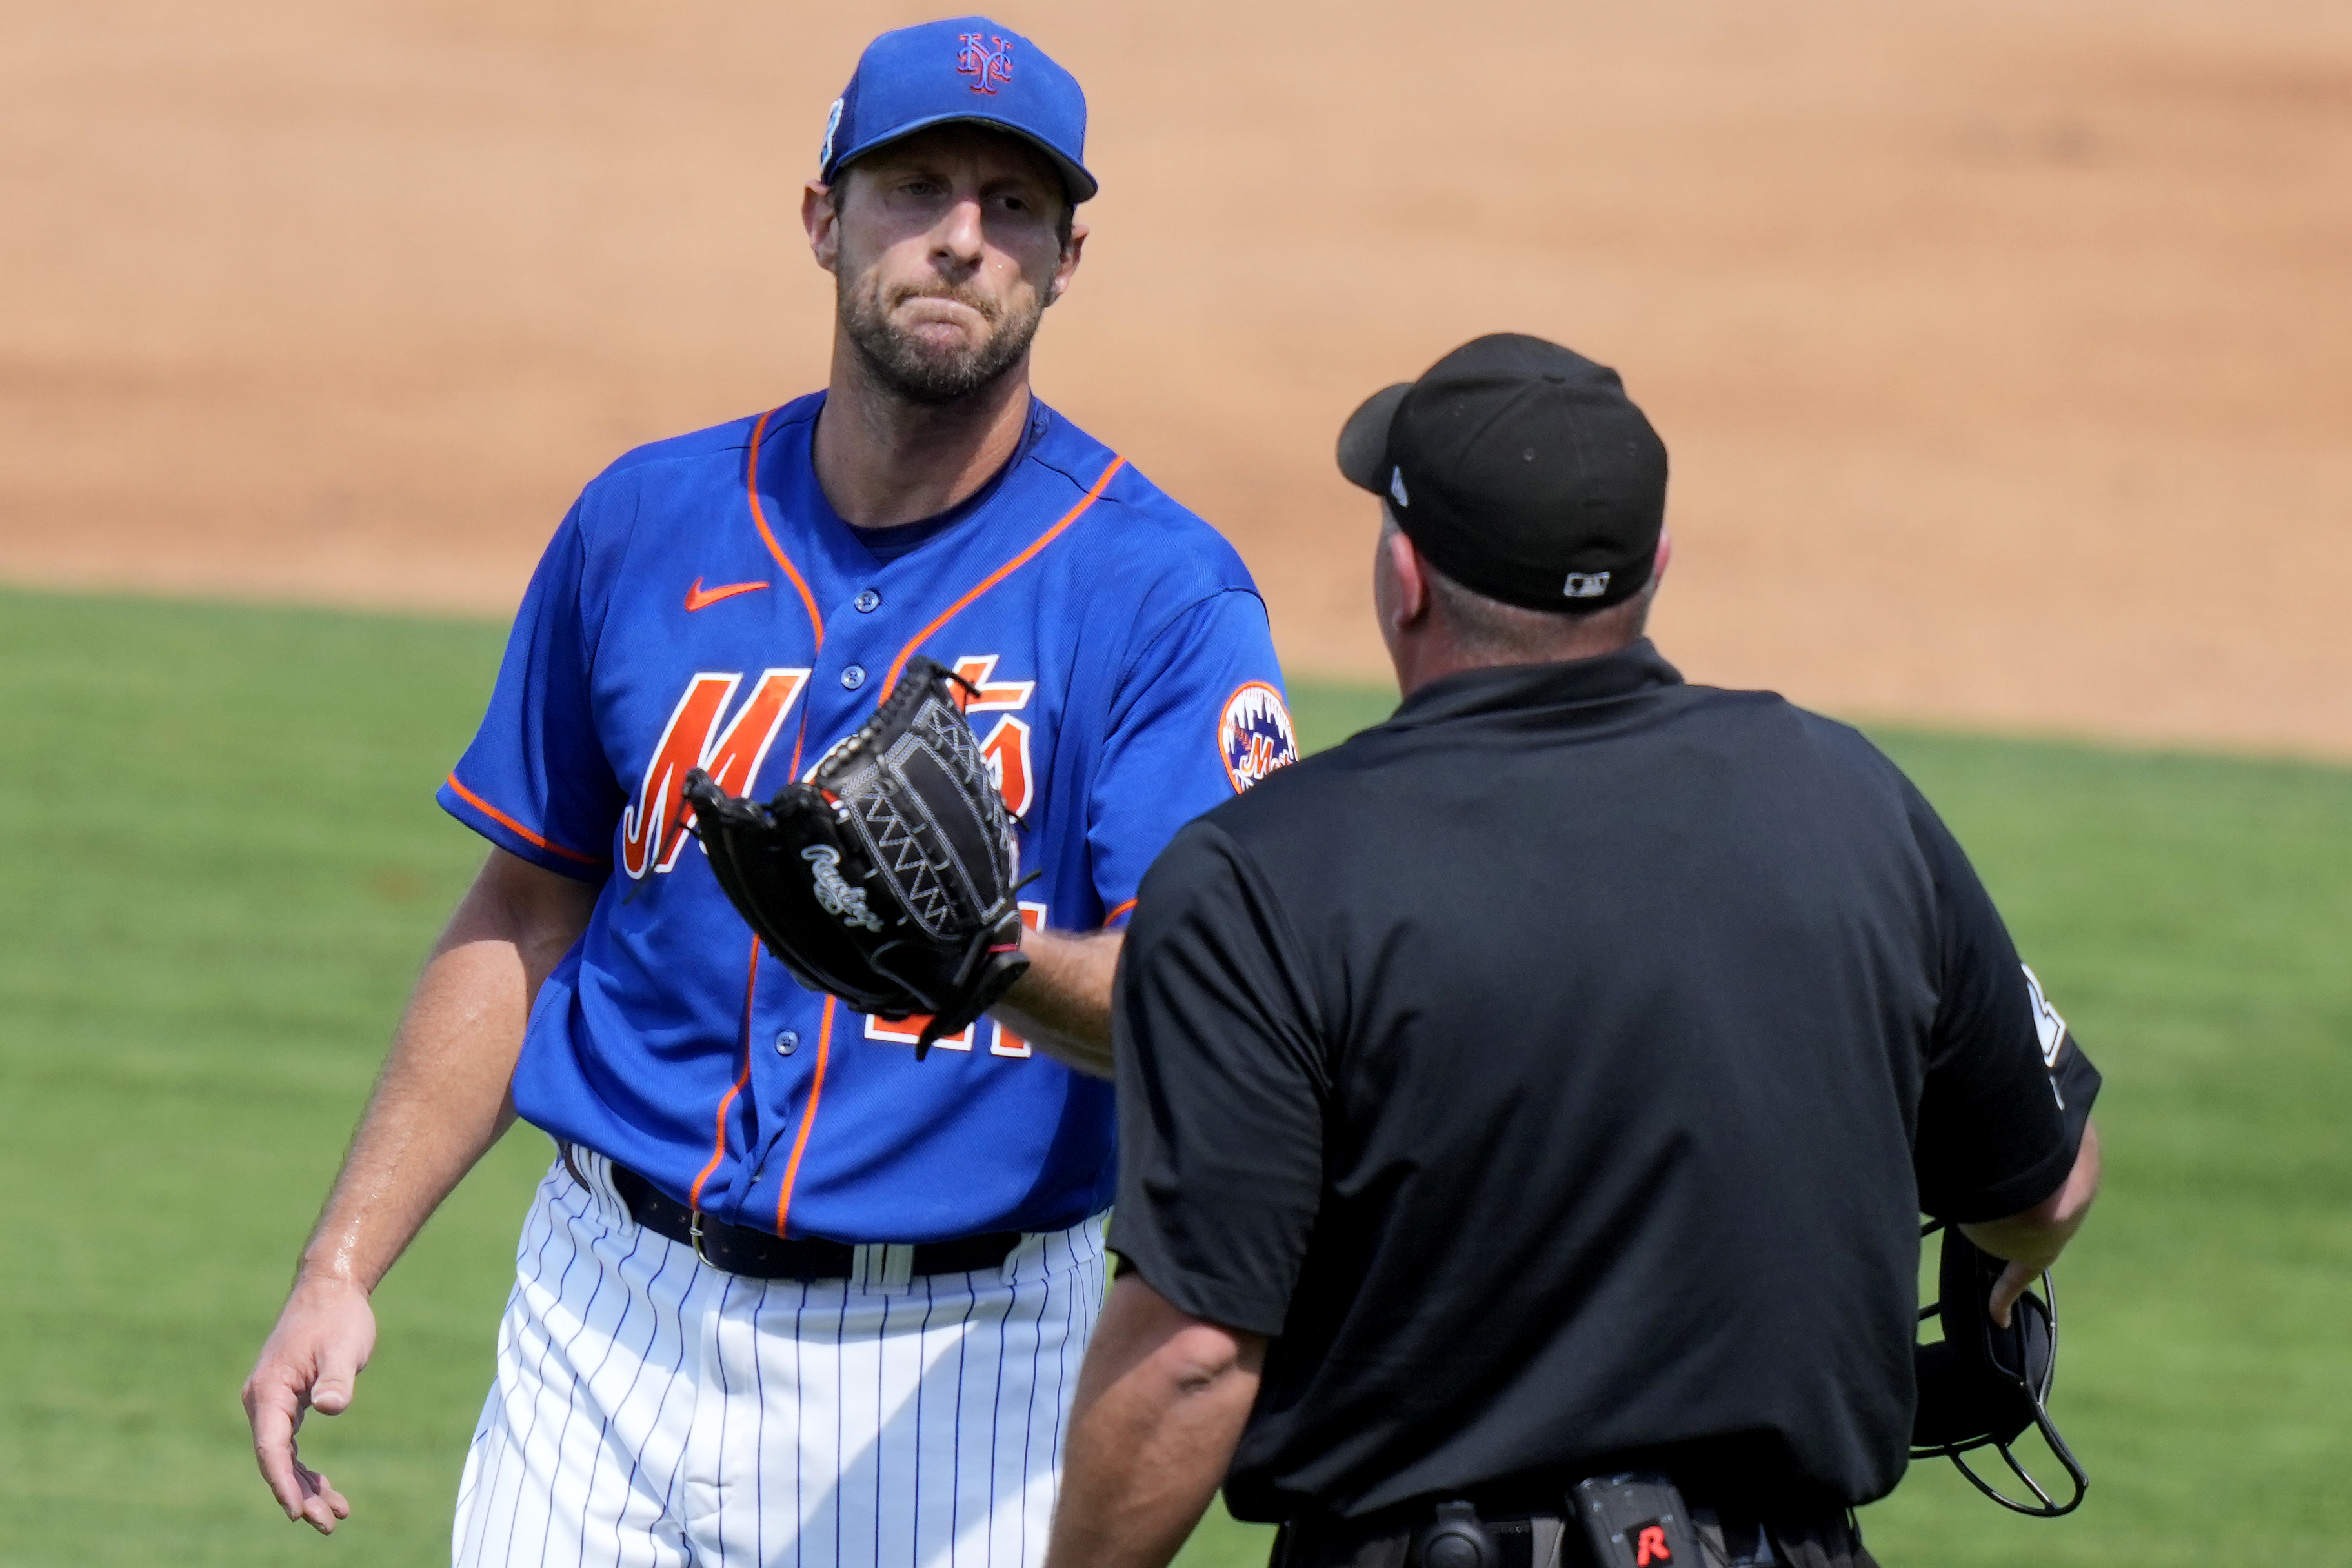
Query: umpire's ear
(1400, 578)
(821, 215)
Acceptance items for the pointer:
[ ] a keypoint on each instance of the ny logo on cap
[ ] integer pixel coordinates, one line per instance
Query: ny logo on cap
(832, 129)
(992, 65)
(1586, 584)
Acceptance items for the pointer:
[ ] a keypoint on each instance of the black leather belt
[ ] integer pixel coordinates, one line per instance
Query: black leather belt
(1520, 1541)
(762, 1255)
(1548, 1541)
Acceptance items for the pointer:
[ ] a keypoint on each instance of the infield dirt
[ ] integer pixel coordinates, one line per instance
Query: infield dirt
(2004, 349)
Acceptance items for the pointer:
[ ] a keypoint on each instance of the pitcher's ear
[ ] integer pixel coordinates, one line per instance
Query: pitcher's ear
(821, 216)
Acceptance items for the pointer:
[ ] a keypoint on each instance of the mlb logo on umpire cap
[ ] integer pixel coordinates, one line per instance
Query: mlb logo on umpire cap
(1586, 584)
(970, 69)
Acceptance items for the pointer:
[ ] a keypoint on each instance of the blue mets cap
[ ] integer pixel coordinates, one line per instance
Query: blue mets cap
(967, 69)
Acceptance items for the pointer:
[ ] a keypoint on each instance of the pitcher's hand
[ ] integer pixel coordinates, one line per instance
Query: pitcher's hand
(324, 1335)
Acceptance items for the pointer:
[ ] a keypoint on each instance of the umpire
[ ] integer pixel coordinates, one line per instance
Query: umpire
(1545, 1085)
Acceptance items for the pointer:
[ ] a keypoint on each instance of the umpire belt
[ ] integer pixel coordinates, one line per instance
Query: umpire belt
(1549, 1540)
(762, 1255)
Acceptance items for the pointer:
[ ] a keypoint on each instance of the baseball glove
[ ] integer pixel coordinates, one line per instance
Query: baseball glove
(886, 876)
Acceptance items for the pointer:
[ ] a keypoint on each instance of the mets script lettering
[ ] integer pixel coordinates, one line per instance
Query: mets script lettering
(991, 62)
(842, 901)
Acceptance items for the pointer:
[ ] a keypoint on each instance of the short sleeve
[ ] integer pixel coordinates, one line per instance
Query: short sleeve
(535, 781)
(1198, 717)
(1221, 1086)
(2008, 1091)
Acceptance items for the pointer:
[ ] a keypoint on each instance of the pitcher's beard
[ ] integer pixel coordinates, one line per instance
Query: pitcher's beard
(933, 377)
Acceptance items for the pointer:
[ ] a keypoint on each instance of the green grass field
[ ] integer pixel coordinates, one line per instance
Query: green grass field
(224, 864)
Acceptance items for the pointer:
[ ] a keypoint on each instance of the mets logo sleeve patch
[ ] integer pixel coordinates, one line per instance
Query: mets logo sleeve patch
(1255, 734)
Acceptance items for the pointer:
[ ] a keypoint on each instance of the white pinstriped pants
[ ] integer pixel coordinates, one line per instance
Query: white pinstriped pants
(653, 1412)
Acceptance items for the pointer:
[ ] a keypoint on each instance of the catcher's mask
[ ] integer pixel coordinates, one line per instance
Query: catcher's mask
(1984, 1385)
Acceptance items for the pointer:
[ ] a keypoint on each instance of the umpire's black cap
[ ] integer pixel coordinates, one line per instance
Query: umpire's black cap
(1521, 471)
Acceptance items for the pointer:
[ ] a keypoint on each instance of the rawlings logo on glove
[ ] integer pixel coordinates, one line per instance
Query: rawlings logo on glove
(885, 877)
(841, 901)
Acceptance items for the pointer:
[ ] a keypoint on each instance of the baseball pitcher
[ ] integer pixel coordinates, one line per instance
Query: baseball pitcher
(932, 675)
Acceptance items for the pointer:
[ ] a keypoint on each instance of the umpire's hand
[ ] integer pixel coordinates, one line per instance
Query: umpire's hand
(323, 1338)
(2030, 1242)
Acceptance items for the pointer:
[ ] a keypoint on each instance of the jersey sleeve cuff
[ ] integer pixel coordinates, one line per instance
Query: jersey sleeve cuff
(1210, 1300)
(2014, 1194)
(517, 839)
(2076, 1083)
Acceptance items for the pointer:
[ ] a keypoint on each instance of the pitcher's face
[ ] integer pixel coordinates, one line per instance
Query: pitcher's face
(946, 249)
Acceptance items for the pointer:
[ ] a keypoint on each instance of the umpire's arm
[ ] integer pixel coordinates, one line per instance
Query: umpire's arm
(1160, 1405)
(2030, 1241)
(2004, 1145)
(1221, 1085)
(443, 1099)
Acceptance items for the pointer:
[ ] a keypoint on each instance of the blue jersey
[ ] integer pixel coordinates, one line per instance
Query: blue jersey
(703, 605)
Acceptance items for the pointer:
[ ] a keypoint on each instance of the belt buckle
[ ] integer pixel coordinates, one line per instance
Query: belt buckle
(694, 1234)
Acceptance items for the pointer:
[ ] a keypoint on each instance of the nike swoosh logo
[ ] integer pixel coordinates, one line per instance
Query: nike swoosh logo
(697, 598)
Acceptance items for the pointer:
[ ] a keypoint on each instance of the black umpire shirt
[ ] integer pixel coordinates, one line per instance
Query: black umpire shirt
(1556, 1075)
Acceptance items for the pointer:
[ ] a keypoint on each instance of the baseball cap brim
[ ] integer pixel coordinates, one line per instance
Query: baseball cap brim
(1364, 438)
(1080, 185)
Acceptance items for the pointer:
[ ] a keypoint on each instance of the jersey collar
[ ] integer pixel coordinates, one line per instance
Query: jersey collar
(1635, 669)
(840, 534)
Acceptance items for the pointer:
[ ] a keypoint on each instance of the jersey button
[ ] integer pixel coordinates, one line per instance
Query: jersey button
(788, 1042)
(853, 677)
(869, 602)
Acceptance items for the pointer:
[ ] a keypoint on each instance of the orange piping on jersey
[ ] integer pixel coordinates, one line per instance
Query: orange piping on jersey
(1116, 913)
(760, 517)
(800, 737)
(694, 1198)
(1001, 572)
(503, 820)
(808, 600)
(808, 1116)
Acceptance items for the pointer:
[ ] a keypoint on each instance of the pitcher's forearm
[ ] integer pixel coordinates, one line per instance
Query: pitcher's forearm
(1063, 1003)
(444, 1094)
(440, 1102)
